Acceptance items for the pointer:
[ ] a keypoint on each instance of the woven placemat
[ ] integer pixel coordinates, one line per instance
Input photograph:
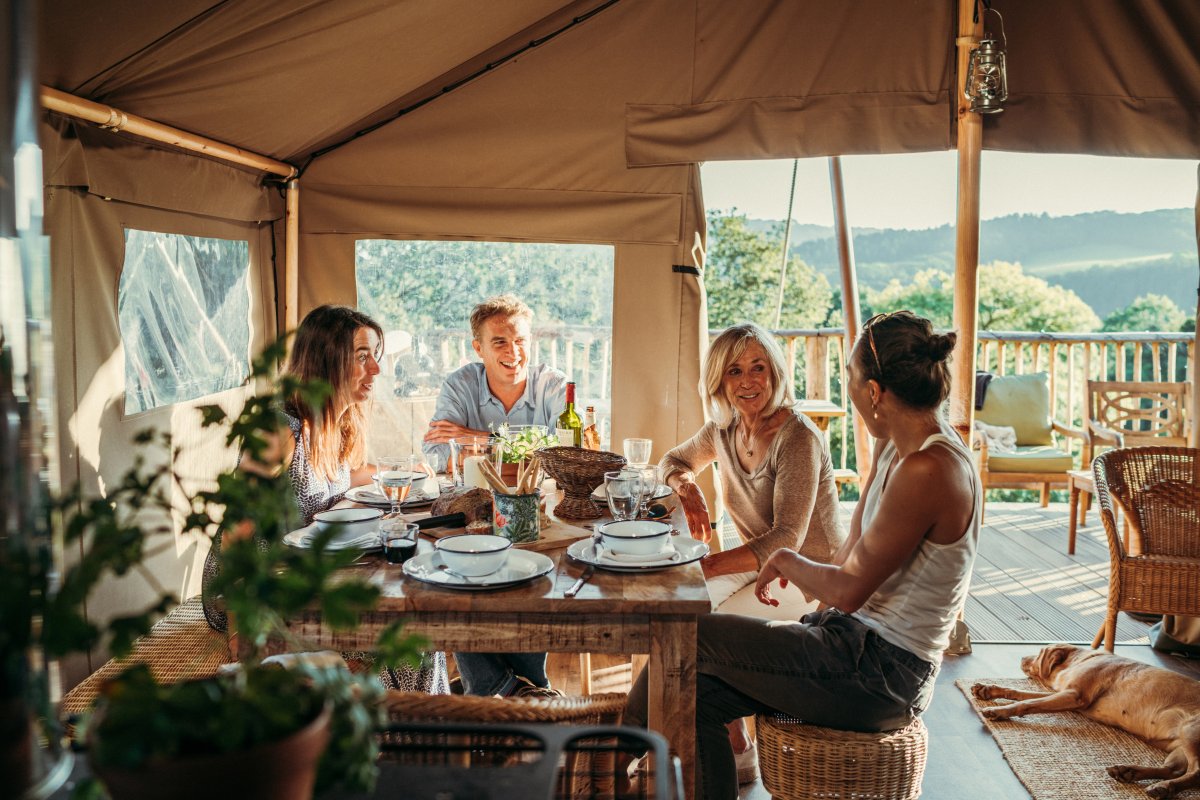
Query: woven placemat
(1063, 756)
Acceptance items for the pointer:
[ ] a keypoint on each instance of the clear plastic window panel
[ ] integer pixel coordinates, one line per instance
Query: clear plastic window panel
(184, 308)
(422, 293)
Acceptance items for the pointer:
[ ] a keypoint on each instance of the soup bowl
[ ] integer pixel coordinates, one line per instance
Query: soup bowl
(351, 523)
(635, 537)
(473, 555)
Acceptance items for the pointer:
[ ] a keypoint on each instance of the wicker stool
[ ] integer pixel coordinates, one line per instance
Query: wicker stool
(805, 762)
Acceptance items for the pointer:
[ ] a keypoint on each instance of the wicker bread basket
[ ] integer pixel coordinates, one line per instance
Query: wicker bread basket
(578, 472)
(806, 762)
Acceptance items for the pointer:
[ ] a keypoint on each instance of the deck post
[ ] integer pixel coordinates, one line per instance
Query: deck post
(851, 309)
(1196, 345)
(966, 246)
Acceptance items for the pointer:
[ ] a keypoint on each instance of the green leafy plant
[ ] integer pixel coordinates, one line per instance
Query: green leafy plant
(263, 582)
(517, 443)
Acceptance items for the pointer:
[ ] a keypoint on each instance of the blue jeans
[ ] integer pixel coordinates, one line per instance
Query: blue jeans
(486, 674)
(828, 669)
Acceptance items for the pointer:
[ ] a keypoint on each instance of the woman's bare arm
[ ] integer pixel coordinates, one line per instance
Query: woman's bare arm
(890, 540)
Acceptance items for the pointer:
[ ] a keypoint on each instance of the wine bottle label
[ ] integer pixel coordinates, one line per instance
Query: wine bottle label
(566, 437)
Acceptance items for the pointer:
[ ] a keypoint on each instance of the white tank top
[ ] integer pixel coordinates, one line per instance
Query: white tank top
(917, 606)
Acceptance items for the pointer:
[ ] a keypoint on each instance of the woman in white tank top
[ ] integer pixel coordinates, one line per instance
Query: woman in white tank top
(893, 590)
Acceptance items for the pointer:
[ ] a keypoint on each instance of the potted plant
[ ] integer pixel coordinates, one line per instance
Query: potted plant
(252, 727)
(42, 617)
(515, 444)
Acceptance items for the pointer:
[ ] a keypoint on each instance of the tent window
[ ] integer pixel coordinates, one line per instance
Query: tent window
(184, 308)
(422, 293)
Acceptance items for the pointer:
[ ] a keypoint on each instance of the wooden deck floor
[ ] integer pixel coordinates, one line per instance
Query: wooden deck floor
(1027, 589)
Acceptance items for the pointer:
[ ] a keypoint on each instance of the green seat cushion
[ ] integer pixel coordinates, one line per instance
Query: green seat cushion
(1035, 458)
(1021, 402)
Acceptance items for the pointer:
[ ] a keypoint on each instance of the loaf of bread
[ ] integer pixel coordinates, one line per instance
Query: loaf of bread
(473, 503)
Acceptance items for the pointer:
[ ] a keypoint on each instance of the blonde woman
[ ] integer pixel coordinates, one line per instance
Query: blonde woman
(775, 470)
(776, 477)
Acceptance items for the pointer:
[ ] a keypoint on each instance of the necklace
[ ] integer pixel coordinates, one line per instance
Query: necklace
(747, 441)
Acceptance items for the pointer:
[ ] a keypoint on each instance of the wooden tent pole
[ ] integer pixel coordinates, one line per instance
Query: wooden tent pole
(291, 258)
(1195, 359)
(111, 118)
(851, 309)
(966, 246)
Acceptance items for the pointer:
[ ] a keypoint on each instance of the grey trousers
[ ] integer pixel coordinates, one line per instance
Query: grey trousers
(827, 669)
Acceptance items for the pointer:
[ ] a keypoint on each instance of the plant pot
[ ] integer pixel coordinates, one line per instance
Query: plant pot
(281, 770)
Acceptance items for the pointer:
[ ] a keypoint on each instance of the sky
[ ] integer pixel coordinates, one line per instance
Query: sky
(918, 190)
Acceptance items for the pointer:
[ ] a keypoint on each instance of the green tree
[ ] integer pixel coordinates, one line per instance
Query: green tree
(1150, 312)
(1009, 300)
(742, 277)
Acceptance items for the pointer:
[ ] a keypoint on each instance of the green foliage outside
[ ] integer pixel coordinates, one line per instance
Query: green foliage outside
(426, 286)
(1009, 300)
(1150, 312)
(742, 278)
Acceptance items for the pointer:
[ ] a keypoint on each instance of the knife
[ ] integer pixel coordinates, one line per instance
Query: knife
(575, 587)
(458, 520)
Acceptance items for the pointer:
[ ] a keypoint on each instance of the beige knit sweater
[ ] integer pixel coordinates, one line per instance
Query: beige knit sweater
(790, 500)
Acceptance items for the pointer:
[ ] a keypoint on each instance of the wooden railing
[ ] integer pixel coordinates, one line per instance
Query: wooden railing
(816, 362)
(1072, 359)
(583, 352)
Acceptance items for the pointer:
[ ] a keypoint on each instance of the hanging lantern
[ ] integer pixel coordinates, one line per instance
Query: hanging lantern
(987, 73)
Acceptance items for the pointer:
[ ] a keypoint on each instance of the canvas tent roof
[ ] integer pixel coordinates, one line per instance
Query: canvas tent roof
(591, 135)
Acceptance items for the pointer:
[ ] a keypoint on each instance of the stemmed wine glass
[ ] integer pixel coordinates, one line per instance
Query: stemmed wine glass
(648, 480)
(395, 479)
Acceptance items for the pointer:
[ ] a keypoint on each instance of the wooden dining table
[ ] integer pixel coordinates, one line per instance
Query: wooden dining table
(652, 612)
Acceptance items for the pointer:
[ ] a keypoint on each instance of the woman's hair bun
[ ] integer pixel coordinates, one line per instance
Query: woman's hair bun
(941, 345)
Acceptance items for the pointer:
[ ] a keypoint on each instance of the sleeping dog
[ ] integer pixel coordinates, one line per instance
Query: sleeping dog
(1155, 704)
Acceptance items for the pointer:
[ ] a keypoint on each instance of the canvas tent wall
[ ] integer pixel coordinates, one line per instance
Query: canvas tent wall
(592, 135)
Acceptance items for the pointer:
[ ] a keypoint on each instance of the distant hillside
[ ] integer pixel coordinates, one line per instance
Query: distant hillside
(1107, 258)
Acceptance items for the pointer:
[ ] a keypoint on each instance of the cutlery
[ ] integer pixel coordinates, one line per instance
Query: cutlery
(575, 587)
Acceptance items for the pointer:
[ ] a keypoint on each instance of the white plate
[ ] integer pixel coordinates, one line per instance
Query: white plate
(368, 496)
(661, 491)
(523, 566)
(368, 542)
(686, 550)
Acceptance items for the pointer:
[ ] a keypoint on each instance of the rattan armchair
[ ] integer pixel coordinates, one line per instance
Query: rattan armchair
(586, 772)
(1158, 489)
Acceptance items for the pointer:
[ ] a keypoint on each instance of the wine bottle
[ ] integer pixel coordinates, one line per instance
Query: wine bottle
(591, 437)
(570, 426)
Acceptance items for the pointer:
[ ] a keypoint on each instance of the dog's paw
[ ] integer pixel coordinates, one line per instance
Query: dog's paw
(1161, 789)
(984, 691)
(1123, 773)
(997, 712)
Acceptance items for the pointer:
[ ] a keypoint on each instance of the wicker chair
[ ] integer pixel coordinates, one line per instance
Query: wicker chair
(181, 646)
(807, 762)
(584, 774)
(1124, 414)
(1158, 489)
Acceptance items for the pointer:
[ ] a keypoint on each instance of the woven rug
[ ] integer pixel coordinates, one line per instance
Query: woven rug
(1062, 756)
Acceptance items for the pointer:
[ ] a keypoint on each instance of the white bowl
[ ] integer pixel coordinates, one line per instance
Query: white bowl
(635, 537)
(473, 555)
(351, 523)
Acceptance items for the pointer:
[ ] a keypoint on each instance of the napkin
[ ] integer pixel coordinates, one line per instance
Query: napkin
(604, 555)
(361, 542)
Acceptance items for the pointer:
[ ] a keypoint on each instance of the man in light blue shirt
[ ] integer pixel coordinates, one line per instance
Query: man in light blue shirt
(478, 398)
(475, 400)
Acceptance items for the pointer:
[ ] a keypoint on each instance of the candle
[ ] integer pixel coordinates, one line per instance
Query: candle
(472, 474)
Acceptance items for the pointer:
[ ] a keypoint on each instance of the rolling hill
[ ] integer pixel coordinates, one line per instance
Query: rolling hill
(1107, 258)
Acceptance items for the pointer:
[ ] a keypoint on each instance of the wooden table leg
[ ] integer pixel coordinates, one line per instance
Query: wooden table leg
(1073, 510)
(672, 695)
